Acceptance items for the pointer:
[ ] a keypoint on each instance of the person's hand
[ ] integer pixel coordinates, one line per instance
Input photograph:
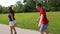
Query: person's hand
(37, 21)
(12, 19)
(39, 25)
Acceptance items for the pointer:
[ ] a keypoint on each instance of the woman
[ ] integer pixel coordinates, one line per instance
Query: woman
(12, 22)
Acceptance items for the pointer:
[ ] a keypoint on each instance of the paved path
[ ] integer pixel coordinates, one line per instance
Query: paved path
(4, 29)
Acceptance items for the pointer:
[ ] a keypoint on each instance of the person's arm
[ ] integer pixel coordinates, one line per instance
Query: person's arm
(41, 18)
(38, 19)
(11, 16)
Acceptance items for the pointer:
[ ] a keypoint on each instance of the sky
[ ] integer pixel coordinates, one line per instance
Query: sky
(7, 3)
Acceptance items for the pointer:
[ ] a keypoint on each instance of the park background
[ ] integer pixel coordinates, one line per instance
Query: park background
(26, 14)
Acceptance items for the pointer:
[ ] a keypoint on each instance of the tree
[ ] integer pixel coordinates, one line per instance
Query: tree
(0, 8)
(53, 4)
(18, 7)
(4, 10)
(30, 5)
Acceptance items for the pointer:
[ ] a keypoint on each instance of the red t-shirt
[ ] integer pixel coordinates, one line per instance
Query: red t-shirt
(45, 20)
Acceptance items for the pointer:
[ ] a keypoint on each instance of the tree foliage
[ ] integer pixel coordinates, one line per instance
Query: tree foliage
(29, 6)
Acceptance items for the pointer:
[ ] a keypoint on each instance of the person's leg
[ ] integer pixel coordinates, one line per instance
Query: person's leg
(41, 32)
(42, 29)
(14, 24)
(46, 26)
(46, 31)
(14, 29)
(11, 27)
(11, 30)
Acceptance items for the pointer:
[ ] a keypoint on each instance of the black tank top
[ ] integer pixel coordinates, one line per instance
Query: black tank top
(10, 16)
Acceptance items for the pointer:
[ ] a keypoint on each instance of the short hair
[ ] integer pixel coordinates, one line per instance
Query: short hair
(39, 4)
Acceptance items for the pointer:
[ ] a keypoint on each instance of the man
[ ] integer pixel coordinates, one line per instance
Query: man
(43, 21)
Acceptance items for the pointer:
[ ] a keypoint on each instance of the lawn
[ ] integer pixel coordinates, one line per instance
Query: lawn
(28, 21)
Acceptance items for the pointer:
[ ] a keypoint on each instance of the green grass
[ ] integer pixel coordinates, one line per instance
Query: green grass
(28, 21)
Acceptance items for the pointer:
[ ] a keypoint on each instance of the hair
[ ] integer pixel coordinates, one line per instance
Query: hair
(10, 9)
(38, 4)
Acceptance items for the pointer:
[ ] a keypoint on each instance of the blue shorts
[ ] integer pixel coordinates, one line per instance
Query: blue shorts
(43, 27)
